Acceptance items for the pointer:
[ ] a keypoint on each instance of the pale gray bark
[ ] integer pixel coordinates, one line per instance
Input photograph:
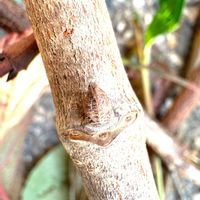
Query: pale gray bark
(78, 47)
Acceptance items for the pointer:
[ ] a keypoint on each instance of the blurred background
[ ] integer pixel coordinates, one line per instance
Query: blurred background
(159, 41)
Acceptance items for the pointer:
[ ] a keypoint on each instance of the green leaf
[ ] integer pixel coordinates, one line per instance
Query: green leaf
(48, 179)
(165, 20)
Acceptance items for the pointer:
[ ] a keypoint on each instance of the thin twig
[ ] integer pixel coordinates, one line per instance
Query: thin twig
(173, 154)
(189, 84)
(192, 57)
(183, 104)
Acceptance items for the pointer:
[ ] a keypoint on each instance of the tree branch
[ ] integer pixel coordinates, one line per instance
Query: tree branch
(173, 154)
(12, 17)
(183, 104)
(17, 56)
(85, 71)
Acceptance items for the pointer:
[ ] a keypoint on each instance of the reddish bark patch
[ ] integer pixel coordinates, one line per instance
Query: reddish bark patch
(68, 32)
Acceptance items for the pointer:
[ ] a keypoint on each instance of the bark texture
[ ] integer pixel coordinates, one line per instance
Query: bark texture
(12, 17)
(93, 98)
(17, 56)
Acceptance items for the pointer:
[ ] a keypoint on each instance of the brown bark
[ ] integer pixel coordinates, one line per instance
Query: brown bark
(192, 58)
(106, 143)
(17, 56)
(183, 104)
(12, 17)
